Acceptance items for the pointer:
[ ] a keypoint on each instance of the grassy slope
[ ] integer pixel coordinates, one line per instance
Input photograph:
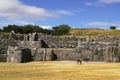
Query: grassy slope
(62, 70)
(92, 32)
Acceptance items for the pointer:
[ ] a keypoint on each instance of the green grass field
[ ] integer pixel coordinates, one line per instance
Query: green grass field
(60, 70)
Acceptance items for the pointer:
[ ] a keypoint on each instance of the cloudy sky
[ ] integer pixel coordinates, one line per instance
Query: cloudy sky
(48, 13)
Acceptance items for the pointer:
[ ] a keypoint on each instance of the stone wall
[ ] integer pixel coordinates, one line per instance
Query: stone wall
(99, 51)
(42, 47)
(18, 55)
(52, 41)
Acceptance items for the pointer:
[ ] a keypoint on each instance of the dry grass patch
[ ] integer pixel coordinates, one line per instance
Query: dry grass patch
(93, 32)
(59, 70)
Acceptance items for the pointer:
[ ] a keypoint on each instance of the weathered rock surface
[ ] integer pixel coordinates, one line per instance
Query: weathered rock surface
(42, 47)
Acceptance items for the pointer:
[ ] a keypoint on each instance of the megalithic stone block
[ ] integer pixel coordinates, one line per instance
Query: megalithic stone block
(101, 58)
(96, 58)
(109, 54)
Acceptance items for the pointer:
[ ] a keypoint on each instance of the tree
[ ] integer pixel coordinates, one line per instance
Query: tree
(28, 29)
(57, 30)
(61, 29)
(37, 29)
(112, 27)
(16, 28)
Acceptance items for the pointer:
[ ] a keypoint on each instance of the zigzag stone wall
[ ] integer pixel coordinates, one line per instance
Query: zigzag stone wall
(41, 47)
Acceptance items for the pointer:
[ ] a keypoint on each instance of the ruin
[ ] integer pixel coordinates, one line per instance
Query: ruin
(43, 47)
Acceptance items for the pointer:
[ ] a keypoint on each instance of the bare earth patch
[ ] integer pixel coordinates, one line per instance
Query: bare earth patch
(60, 70)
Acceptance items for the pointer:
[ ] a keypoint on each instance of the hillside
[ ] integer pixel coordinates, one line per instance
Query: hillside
(93, 32)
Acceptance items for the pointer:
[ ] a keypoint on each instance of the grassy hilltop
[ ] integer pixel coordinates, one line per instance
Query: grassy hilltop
(79, 32)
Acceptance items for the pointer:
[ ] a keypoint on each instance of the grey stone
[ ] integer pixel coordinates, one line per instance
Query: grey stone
(32, 48)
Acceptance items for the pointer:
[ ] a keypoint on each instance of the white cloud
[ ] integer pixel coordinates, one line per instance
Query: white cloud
(118, 28)
(24, 23)
(8, 22)
(91, 4)
(65, 12)
(102, 2)
(5, 23)
(97, 23)
(108, 1)
(46, 26)
(103, 24)
(15, 9)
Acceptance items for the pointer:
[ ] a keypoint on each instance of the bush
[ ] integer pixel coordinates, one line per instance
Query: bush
(112, 27)
(61, 30)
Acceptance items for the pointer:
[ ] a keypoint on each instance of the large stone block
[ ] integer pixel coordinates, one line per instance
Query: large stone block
(15, 57)
(116, 58)
(96, 58)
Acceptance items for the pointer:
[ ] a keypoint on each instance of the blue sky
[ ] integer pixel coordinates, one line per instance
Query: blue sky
(49, 13)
